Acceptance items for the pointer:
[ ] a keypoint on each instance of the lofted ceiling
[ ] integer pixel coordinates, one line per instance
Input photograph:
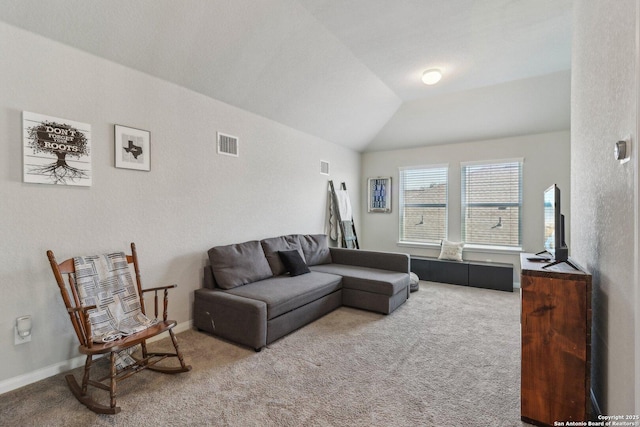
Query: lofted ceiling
(347, 71)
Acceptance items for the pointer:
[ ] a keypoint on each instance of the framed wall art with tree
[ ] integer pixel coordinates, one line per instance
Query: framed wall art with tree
(55, 150)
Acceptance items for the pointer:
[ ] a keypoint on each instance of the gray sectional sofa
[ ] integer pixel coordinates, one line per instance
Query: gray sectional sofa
(256, 292)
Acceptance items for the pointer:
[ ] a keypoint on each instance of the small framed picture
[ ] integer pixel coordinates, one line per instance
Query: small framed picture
(379, 194)
(132, 148)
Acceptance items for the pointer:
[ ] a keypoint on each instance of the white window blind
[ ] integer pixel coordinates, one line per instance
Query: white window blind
(492, 203)
(423, 204)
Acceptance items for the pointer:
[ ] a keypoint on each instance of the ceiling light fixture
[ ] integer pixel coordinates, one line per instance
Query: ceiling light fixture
(432, 76)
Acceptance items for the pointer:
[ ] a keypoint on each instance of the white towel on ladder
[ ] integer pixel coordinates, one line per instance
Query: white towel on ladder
(344, 205)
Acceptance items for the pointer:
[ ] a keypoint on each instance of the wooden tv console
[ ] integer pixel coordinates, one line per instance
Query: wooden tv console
(556, 343)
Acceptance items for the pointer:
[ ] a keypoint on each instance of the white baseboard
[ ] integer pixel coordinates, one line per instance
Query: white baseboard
(48, 371)
(40, 374)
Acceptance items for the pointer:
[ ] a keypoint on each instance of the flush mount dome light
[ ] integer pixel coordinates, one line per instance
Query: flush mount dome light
(431, 77)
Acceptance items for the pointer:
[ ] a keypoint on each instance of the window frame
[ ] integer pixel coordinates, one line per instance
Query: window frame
(464, 205)
(402, 205)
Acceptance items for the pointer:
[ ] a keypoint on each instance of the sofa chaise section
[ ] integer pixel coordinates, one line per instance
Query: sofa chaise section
(375, 281)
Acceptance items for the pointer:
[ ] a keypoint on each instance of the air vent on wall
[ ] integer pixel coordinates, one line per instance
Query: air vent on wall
(324, 167)
(227, 145)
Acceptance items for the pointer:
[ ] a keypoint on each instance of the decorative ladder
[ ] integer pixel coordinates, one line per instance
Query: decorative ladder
(347, 226)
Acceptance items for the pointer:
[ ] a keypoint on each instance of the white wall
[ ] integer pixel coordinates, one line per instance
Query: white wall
(603, 110)
(546, 161)
(191, 200)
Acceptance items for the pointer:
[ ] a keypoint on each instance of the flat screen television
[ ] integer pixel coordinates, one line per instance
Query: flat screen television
(554, 242)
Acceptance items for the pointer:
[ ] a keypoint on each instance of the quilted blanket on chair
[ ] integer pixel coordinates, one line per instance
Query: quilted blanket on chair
(105, 281)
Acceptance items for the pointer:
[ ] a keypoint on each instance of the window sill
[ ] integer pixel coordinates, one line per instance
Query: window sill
(493, 249)
(418, 245)
(467, 247)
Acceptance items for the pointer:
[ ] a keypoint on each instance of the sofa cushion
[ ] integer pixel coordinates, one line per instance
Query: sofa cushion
(373, 280)
(283, 293)
(273, 245)
(315, 248)
(293, 263)
(238, 264)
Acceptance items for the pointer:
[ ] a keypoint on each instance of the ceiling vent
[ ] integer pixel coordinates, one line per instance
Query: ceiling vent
(324, 167)
(227, 145)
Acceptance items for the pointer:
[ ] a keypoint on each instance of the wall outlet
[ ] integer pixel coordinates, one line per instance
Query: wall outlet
(17, 339)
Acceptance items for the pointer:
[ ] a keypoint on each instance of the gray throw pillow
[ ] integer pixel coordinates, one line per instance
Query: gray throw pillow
(315, 248)
(272, 246)
(239, 264)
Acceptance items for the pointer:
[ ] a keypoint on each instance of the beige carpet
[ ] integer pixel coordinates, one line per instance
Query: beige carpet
(450, 356)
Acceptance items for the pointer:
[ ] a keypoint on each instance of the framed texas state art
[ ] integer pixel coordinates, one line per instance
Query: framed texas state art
(132, 148)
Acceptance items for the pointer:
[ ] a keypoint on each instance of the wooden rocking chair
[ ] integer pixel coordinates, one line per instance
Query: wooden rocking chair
(81, 323)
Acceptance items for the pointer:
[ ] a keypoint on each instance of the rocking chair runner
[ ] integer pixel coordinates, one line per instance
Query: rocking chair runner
(79, 315)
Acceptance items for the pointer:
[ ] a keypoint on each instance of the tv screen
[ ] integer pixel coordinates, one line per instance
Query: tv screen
(551, 209)
(554, 225)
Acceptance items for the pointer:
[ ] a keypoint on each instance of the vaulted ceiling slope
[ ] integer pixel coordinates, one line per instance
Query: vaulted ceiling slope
(340, 70)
